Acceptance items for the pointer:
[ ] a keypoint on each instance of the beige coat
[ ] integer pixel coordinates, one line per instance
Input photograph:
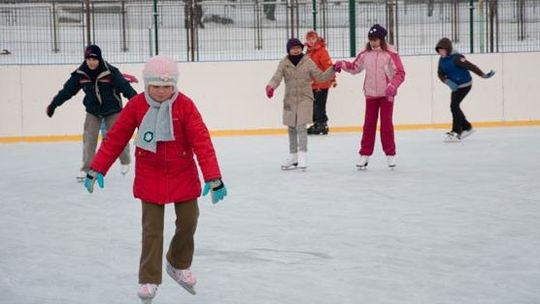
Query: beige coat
(298, 101)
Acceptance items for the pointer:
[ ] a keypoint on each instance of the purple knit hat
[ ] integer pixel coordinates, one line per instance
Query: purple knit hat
(377, 31)
(292, 43)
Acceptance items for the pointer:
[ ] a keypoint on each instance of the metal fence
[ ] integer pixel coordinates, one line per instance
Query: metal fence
(47, 32)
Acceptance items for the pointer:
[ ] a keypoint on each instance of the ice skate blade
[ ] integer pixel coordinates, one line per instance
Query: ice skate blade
(80, 179)
(451, 137)
(187, 287)
(146, 301)
(361, 168)
(451, 141)
(289, 168)
(302, 169)
(392, 168)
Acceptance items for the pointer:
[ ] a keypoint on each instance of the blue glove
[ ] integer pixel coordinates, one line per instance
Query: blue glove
(453, 86)
(219, 191)
(91, 178)
(489, 74)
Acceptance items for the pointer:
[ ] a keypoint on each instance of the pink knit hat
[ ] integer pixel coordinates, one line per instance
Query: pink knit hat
(160, 71)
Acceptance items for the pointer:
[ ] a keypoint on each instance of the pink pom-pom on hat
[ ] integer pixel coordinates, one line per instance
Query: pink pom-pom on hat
(160, 70)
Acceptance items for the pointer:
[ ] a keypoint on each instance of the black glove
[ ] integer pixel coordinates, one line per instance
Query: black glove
(50, 110)
(489, 74)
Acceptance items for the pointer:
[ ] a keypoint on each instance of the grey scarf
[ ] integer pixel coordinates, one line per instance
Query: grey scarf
(157, 124)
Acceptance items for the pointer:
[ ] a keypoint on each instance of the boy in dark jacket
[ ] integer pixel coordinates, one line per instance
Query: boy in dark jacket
(102, 83)
(454, 71)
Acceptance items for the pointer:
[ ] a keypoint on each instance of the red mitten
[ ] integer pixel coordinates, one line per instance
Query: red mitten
(338, 66)
(130, 78)
(390, 91)
(269, 91)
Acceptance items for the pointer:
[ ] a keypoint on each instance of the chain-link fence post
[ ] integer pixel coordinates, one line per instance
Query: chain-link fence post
(352, 28)
(55, 48)
(124, 30)
(314, 13)
(471, 25)
(156, 28)
(88, 26)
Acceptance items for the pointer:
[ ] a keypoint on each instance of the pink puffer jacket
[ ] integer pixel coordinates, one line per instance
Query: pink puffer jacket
(382, 68)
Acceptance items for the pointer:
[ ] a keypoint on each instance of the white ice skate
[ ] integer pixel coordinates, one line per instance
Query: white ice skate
(147, 292)
(184, 277)
(362, 162)
(391, 161)
(302, 160)
(451, 137)
(466, 133)
(124, 169)
(291, 162)
(81, 176)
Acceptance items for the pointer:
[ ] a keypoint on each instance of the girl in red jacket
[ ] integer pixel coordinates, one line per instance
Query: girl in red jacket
(384, 74)
(170, 132)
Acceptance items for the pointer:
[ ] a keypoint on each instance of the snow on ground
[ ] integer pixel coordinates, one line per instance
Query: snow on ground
(454, 223)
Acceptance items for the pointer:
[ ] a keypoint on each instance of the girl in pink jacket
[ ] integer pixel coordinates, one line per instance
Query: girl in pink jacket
(384, 74)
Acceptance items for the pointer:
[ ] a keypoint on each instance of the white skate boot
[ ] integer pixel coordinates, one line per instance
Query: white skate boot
(362, 162)
(184, 277)
(81, 177)
(291, 162)
(466, 133)
(302, 160)
(124, 169)
(451, 137)
(391, 161)
(147, 292)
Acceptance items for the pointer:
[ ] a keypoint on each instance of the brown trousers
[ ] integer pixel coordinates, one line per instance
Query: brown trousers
(181, 248)
(92, 125)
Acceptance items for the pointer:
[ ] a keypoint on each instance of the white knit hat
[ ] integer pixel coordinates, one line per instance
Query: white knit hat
(160, 71)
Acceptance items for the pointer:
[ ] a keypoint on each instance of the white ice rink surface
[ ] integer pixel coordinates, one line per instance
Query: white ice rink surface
(454, 223)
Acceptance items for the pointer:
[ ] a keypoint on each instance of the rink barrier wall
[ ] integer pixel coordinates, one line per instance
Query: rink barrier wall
(257, 132)
(230, 96)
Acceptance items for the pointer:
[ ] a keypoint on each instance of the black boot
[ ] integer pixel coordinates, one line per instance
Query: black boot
(310, 130)
(324, 128)
(319, 128)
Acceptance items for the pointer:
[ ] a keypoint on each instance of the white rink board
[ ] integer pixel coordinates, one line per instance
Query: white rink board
(231, 96)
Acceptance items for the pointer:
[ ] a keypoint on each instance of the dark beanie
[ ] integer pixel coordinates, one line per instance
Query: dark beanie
(292, 43)
(377, 31)
(93, 51)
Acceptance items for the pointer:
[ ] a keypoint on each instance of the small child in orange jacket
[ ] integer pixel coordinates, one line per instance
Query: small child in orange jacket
(316, 50)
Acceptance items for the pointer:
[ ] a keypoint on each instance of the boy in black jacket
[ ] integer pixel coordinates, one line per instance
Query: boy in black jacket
(101, 83)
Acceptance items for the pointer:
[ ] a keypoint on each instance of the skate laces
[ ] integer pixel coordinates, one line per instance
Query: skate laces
(187, 276)
(183, 275)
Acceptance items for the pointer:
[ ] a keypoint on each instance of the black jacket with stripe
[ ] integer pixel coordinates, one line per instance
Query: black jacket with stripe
(102, 96)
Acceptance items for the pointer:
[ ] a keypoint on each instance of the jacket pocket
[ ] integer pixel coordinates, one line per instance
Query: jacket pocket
(146, 159)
